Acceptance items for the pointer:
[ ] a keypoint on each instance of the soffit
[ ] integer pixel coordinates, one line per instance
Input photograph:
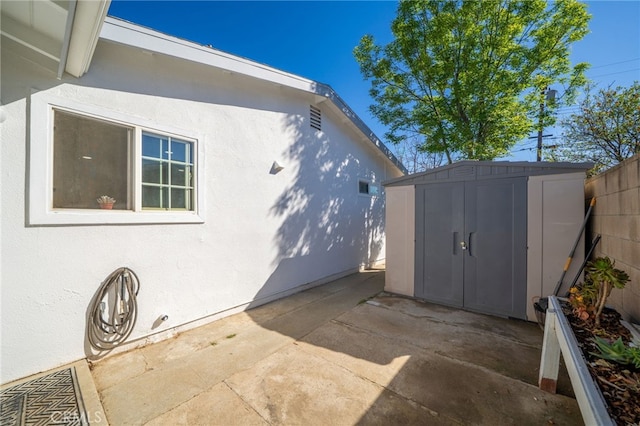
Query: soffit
(43, 31)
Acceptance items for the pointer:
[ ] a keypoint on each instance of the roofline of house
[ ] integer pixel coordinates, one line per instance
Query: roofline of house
(124, 32)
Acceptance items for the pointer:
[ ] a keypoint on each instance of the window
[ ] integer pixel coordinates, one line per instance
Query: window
(167, 178)
(80, 153)
(368, 188)
(90, 159)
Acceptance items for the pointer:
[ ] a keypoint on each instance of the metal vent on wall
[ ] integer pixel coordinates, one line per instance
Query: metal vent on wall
(315, 117)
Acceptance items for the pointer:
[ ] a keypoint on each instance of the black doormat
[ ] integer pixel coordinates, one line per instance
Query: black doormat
(53, 399)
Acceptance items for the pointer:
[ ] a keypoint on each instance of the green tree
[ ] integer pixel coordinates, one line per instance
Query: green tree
(467, 77)
(415, 159)
(605, 131)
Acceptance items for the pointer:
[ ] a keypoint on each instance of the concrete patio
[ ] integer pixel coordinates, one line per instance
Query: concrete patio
(343, 353)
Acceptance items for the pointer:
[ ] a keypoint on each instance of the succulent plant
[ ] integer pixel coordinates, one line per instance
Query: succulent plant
(105, 199)
(606, 276)
(617, 351)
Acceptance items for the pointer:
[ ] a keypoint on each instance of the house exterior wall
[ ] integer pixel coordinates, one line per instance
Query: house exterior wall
(400, 240)
(555, 213)
(261, 235)
(616, 217)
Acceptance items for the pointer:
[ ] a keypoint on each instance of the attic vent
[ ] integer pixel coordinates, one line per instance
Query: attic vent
(315, 117)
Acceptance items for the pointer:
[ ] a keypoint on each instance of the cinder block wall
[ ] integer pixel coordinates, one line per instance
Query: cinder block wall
(616, 217)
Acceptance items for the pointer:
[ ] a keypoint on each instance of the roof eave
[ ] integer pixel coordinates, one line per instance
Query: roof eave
(87, 25)
(123, 32)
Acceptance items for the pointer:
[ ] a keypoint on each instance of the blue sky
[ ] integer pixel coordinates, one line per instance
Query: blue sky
(315, 39)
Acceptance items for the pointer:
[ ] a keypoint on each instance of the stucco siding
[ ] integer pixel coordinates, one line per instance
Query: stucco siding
(262, 234)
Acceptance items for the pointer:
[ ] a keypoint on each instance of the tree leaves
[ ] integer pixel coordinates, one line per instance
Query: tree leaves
(464, 77)
(606, 130)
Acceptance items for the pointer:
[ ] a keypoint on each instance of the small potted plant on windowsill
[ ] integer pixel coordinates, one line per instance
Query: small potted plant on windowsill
(106, 202)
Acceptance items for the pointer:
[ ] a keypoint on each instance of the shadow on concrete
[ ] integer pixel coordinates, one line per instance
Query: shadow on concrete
(435, 364)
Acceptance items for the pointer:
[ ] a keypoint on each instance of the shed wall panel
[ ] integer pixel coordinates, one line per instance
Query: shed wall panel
(556, 212)
(400, 237)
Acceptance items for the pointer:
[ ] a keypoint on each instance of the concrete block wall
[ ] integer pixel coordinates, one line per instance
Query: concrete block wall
(616, 217)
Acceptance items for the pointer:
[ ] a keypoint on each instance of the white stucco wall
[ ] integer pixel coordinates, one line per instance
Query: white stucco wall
(263, 234)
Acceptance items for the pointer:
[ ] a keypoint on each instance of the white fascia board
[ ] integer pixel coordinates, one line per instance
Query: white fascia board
(122, 32)
(357, 121)
(87, 25)
(127, 33)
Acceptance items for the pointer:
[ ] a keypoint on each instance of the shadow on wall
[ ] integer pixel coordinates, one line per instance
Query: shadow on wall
(327, 227)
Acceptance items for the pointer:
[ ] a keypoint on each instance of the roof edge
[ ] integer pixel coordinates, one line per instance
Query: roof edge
(88, 20)
(120, 31)
(540, 166)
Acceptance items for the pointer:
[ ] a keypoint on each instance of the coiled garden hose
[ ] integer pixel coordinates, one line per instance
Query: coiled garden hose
(114, 310)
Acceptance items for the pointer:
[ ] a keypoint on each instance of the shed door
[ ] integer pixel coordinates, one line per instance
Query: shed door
(495, 268)
(471, 245)
(439, 231)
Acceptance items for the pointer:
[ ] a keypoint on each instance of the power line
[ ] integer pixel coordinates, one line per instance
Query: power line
(615, 63)
(614, 73)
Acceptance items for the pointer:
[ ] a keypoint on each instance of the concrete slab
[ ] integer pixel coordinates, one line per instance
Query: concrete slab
(292, 387)
(337, 355)
(492, 350)
(440, 381)
(217, 406)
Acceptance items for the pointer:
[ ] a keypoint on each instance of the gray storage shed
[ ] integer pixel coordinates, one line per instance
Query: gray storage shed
(484, 236)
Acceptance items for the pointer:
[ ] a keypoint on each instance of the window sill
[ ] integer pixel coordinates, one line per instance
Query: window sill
(111, 217)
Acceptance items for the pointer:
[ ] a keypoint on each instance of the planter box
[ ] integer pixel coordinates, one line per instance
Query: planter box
(559, 338)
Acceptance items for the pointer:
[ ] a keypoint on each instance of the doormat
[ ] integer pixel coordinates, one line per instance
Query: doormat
(51, 399)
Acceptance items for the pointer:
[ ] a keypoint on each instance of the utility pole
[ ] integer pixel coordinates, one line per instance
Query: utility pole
(550, 96)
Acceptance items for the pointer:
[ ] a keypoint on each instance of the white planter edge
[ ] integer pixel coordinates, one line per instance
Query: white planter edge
(559, 338)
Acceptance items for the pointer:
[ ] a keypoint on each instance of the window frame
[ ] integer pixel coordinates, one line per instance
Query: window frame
(41, 211)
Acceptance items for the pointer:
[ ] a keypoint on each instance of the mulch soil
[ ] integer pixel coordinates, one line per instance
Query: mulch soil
(619, 384)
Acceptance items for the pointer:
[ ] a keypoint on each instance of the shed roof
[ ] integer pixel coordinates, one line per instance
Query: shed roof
(477, 170)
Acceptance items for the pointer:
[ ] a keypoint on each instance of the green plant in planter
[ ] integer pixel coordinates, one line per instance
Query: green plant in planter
(583, 297)
(618, 352)
(605, 276)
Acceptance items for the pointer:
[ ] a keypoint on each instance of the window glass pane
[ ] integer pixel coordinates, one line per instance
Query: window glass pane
(363, 187)
(165, 172)
(151, 171)
(90, 159)
(151, 146)
(152, 197)
(179, 175)
(179, 198)
(179, 151)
